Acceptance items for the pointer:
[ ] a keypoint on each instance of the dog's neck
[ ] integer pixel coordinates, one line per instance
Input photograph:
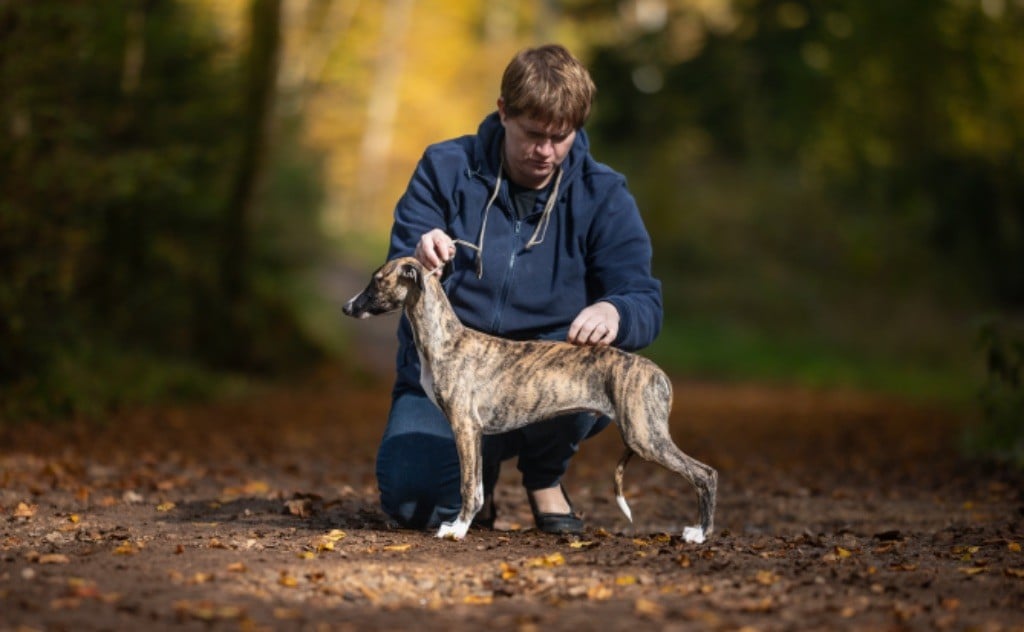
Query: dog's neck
(434, 323)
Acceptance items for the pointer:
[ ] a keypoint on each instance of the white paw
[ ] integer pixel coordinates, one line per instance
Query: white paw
(694, 535)
(453, 530)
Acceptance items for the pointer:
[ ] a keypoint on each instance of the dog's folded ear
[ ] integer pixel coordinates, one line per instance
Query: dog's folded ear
(412, 272)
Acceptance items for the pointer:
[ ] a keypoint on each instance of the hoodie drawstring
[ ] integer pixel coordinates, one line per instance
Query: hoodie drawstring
(538, 234)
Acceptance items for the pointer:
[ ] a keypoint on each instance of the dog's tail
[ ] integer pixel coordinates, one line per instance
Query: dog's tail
(620, 470)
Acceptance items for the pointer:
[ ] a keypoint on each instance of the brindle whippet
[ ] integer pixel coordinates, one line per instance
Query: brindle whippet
(488, 385)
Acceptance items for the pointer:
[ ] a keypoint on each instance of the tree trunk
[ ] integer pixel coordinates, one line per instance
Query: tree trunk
(261, 79)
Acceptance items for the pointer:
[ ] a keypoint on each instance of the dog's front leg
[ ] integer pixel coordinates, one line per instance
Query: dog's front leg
(468, 438)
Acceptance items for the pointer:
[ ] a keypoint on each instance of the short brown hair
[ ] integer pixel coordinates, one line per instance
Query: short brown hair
(548, 84)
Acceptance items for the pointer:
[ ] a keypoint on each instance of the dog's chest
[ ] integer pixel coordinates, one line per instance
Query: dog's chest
(427, 378)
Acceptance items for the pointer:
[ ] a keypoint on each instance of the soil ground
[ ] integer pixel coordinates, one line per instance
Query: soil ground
(836, 511)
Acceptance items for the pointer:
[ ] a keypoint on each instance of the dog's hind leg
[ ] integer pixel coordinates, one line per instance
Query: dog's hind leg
(644, 427)
(620, 471)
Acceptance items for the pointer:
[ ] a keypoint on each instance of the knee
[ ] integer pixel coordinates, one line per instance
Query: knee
(418, 479)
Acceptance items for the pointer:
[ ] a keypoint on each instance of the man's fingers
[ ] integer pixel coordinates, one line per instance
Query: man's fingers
(435, 248)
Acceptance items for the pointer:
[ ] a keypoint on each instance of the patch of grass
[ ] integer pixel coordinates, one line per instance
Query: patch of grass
(94, 379)
(732, 352)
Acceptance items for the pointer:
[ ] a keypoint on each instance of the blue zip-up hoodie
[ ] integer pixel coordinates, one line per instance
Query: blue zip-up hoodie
(594, 248)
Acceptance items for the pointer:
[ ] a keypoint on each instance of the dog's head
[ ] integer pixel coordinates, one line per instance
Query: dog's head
(388, 288)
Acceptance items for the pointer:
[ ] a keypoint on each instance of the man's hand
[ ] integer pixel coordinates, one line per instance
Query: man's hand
(595, 325)
(434, 249)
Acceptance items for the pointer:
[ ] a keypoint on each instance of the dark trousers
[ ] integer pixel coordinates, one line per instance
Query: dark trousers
(418, 466)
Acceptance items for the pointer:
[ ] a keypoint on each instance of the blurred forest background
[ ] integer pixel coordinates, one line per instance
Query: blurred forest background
(835, 189)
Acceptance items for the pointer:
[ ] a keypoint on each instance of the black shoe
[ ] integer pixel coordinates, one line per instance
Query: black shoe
(557, 523)
(484, 519)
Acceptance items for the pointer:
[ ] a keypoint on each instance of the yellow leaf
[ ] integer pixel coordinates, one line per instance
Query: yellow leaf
(1014, 547)
(641, 542)
(398, 547)
(287, 580)
(648, 608)
(478, 600)
(507, 572)
(54, 558)
(599, 593)
(307, 555)
(972, 570)
(126, 549)
(766, 578)
(165, 506)
(1015, 572)
(625, 580)
(237, 567)
(335, 535)
(842, 553)
(75, 519)
(24, 510)
(581, 544)
(555, 559)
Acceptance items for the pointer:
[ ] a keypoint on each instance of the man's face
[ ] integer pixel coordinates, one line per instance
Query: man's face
(533, 149)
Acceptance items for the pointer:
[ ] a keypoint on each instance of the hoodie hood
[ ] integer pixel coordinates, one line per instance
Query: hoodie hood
(489, 151)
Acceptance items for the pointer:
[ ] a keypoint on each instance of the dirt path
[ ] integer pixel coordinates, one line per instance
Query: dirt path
(836, 511)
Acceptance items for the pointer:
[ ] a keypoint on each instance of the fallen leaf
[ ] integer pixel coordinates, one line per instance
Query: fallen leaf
(842, 553)
(599, 593)
(335, 535)
(126, 548)
(200, 578)
(648, 608)
(287, 580)
(307, 555)
(54, 558)
(25, 510)
(237, 567)
(555, 559)
(301, 507)
(478, 600)
(208, 611)
(1014, 547)
(1015, 572)
(398, 547)
(507, 572)
(164, 507)
(903, 567)
(766, 578)
(972, 570)
(327, 542)
(625, 580)
(581, 544)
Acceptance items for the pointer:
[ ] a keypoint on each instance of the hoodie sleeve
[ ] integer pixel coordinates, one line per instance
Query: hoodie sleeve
(420, 209)
(619, 269)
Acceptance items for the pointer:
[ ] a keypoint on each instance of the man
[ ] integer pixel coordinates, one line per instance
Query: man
(550, 245)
